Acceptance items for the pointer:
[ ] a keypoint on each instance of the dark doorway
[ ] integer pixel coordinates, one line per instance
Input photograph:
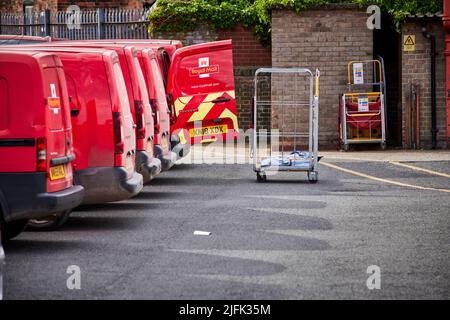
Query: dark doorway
(387, 45)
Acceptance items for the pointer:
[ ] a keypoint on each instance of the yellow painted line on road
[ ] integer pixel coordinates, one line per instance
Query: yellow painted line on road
(420, 169)
(396, 183)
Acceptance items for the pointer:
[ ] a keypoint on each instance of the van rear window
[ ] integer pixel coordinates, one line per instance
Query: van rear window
(159, 83)
(141, 79)
(121, 87)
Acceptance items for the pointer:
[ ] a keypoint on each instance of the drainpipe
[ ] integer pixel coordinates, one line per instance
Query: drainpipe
(434, 129)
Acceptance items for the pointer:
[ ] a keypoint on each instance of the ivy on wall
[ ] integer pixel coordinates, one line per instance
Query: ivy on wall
(185, 15)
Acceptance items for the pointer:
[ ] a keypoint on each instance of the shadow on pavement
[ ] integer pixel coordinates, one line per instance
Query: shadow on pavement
(101, 223)
(19, 246)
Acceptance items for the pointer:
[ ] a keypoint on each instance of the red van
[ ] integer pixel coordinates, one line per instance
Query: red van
(104, 134)
(200, 89)
(156, 94)
(146, 163)
(36, 152)
(158, 101)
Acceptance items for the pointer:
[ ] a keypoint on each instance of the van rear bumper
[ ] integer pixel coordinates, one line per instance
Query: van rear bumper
(24, 196)
(108, 184)
(181, 150)
(167, 160)
(146, 166)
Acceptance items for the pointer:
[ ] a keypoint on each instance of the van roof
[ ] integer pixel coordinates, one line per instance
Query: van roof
(147, 41)
(83, 44)
(50, 49)
(30, 54)
(45, 46)
(22, 39)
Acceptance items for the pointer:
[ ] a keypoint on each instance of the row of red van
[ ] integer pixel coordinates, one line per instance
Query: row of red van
(89, 122)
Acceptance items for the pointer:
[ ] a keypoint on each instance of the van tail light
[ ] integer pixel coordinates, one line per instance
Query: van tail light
(153, 104)
(41, 152)
(170, 103)
(119, 145)
(140, 121)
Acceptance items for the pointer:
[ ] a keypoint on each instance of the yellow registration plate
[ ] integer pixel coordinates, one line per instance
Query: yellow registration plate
(208, 131)
(57, 173)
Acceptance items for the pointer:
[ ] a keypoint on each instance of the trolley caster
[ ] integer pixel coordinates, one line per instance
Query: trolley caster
(313, 177)
(383, 146)
(261, 177)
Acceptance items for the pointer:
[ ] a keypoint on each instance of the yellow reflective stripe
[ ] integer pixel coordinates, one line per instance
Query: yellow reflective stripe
(182, 137)
(228, 114)
(232, 94)
(205, 107)
(180, 103)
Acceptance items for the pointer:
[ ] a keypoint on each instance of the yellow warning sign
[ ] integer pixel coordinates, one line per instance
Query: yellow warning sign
(409, 43)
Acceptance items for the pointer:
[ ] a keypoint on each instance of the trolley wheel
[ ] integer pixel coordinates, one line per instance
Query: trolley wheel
(313, 177)
(261, 177)
(346, 147)
(383, 146)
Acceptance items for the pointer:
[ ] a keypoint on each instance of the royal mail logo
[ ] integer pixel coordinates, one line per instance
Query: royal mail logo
(204, 70)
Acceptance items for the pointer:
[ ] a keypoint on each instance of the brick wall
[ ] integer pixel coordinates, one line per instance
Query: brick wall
(326, 38)
(248, 51)
(416, 70)
(248, 56)
(200, 35)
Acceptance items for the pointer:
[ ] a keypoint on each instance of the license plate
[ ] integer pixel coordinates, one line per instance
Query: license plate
(208, 131)
(57, 173)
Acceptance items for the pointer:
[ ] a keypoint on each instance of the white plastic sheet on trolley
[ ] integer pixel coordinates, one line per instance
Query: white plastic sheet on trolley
(286, 122)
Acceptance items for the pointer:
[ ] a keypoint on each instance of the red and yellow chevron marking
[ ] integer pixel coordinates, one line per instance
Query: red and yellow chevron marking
(196, 108)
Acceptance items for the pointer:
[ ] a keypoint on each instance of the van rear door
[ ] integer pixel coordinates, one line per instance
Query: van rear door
(201, 85)
(57, 143)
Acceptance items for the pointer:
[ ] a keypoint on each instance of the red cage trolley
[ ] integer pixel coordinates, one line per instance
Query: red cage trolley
(362, 109)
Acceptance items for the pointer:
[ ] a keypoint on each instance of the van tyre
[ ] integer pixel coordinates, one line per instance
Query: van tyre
(49, 223)
(12, 229)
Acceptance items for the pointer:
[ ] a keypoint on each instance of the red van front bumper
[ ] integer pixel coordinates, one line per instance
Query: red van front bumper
(23, 196)
(108, 184)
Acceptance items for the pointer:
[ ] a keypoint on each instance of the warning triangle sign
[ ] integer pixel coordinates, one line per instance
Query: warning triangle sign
(409, 41)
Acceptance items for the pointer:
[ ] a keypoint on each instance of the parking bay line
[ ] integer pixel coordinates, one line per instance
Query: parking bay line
(363, 175)
(420, 169)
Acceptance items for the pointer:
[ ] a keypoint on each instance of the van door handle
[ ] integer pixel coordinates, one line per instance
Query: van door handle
(74, 112)
(221, 100)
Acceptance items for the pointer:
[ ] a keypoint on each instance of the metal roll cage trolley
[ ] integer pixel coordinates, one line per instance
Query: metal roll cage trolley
(296, 92)
(362, 110)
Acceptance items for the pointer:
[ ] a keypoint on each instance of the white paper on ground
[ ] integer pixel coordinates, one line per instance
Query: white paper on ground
(202, 233)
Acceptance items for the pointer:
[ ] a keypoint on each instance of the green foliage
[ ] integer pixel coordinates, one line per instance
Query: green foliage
(185, 15)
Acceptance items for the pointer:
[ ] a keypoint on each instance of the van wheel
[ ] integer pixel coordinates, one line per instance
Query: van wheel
(12, 229)
(49, 223)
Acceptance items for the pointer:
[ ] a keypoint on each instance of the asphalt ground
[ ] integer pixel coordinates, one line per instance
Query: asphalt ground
(284, 239)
